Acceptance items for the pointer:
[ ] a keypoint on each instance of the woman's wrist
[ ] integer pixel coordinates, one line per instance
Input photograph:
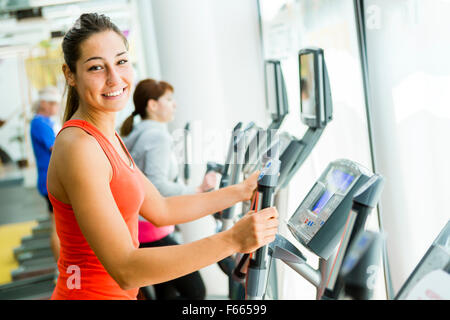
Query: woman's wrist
(227, 236)
(240, 192)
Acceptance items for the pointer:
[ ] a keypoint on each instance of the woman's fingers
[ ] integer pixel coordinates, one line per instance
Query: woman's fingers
(256, 229)
(266, 213)
(268, 225)
(269, 239)
(270, 212)
(272, 224)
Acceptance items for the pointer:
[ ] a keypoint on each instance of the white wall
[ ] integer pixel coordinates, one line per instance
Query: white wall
(210, 52)
(408, 51)
(14, 99)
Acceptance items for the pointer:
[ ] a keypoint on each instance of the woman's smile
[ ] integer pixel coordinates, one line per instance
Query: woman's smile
(114, 95)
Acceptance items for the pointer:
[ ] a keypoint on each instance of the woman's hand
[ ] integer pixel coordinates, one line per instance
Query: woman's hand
(209, 182)
(255, 230)
(249, 186)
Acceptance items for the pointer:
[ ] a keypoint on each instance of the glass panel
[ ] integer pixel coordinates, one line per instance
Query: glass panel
(287, 27)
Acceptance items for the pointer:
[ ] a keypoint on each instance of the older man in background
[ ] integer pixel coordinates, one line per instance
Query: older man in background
(42, 131)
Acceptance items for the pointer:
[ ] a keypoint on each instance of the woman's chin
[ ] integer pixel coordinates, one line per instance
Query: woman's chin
(115, 105)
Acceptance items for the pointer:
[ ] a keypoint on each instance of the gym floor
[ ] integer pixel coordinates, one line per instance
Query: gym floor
(20, 206)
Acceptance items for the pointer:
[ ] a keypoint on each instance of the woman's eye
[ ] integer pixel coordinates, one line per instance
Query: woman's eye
(123, 61)
(93, 68)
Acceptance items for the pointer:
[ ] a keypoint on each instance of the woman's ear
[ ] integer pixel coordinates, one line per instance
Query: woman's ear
(152, 106)
(70, 77)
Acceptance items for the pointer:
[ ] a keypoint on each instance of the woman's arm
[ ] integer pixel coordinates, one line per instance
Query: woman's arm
(85, 174)
(166, 263)
(185, 208)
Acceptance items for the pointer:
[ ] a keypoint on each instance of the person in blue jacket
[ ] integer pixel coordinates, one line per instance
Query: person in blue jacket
(43, 134)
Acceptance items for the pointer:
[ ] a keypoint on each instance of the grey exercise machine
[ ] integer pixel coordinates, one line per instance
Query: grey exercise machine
(316, 113)
(326, 217)
(246, 148)
(431, 277)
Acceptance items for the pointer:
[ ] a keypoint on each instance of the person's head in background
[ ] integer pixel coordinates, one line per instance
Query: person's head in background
(152, 100)
(97, 68)
(48, 102)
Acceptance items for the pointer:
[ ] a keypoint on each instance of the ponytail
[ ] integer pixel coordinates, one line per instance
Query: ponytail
(127, 125)
(72, 103)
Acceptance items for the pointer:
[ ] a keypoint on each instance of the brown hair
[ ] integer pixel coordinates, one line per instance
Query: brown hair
(145, 90)
(85, 26)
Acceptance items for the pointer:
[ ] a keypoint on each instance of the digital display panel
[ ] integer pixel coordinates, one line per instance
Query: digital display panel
(339, 181)
(307, 86)
(271, 89)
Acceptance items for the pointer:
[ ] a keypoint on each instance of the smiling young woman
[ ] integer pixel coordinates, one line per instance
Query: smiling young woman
(98, 192)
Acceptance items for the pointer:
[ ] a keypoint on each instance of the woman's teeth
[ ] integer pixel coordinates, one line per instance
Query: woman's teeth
(114, 94)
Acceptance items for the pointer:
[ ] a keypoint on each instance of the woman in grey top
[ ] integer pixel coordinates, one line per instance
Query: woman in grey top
(151, 146)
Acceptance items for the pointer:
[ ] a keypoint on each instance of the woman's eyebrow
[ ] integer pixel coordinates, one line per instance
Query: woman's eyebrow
(94, 58)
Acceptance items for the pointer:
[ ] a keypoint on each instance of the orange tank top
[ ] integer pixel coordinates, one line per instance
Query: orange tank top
(81, 275)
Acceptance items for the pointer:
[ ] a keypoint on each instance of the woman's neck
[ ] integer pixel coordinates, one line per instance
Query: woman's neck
(154, 119)
(105, 122)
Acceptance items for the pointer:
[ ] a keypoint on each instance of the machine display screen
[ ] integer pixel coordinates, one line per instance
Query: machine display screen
(271, 89)
(307, 86)
(338, 181)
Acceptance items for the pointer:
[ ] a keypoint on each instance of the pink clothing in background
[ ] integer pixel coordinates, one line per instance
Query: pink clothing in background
(149, 233)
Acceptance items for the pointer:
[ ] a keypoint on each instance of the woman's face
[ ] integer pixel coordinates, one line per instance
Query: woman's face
(104, 74)
(164, 110)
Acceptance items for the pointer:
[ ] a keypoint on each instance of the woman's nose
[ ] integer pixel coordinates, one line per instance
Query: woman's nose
(113, 77)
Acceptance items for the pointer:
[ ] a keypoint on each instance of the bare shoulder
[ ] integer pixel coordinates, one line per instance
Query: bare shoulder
(77, 154)
(72, 139)
(73, 145)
